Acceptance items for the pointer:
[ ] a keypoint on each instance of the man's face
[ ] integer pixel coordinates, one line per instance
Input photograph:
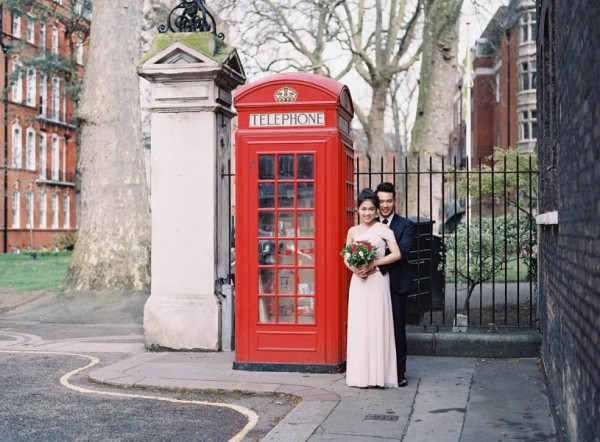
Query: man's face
(386, 203)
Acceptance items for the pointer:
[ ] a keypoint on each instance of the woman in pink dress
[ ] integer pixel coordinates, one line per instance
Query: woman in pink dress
(371, 354)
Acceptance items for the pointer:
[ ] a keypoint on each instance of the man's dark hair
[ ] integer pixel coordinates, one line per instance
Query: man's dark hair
(387, 187)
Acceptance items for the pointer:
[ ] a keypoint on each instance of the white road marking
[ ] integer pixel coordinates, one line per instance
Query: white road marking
(64, 380)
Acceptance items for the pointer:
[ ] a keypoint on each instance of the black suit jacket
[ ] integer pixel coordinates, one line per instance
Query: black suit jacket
(400, 275)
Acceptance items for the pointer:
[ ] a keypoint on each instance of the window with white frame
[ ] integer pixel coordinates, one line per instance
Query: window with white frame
(43, 214)
(63, 156)
(43, 95)
(498, 87)
(527, 27)
(66, 209)
(497, 134)
(64, 107)
(31, 91)
(528, 125)
(54, 210)
(30, 149)
(55, 153)
(28, 210)
(527, 75)
(17, 147)
(54, 44)
(79, 50)
(17, 82)
(42, 39)
(55, 92)
(16, 209)
(30, 29)
(16, 24)
(43, 155)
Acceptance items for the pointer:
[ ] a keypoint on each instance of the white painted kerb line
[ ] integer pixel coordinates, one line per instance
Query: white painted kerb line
(64, 380)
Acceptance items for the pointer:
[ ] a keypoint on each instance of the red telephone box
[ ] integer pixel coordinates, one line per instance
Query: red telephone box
(294, 205)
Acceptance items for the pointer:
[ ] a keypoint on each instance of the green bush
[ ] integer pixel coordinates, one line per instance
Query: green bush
(66, 241)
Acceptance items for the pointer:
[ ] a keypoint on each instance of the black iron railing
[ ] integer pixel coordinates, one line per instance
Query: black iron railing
(482, 247)
(475, 256)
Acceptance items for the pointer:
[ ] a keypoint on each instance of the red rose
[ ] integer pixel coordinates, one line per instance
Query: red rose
(369, 246)
(354, 248)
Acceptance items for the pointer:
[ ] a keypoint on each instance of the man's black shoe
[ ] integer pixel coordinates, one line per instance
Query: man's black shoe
(402, 381)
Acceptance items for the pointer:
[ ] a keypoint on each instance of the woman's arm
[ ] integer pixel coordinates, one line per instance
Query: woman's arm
(360, 271)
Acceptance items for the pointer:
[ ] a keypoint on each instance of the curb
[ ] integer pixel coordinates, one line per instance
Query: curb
(481, 345)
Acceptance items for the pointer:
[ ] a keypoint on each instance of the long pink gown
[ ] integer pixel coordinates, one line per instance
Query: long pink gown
(371, 350)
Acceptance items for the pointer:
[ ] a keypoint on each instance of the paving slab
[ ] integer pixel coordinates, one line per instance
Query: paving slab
(447, 399)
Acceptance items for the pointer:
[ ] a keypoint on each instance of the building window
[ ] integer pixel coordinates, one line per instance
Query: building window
(31, 87)
(528, 125)
(17, 147)
(29, 210)
(55, 99)
(16, 25)
(79, 50)
(30, 29)
(54, 40)
(54, 209)
(43, 95)
(43, 211)
(64, 107)
(498, 134)
(527, 27)
(43, 39)
(55, 158)
(527, 76)
(43, 156)
(30, 149)
(66, 209)
(16, 209)
(498, 88)
(17, 82)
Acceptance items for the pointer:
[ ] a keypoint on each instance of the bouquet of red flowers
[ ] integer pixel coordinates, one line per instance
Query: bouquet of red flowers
(359, 253)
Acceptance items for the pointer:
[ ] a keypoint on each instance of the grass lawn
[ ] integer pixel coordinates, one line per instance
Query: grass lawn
(511, 273)
(20, 273)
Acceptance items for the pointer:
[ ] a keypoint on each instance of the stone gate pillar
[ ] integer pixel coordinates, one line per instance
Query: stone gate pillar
(192, 76)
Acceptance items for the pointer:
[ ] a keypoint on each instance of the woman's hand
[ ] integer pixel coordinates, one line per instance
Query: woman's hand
(371, 266)
(361, 271)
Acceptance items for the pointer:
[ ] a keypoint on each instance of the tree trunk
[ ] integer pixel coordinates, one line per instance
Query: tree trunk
(375, 129)
(113, 248)
(437, 87)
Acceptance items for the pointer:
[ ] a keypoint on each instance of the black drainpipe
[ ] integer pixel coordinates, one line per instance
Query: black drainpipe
(5, 101)
(508, 87)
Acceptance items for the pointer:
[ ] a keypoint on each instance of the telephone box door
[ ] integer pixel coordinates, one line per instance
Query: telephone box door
(285, 310)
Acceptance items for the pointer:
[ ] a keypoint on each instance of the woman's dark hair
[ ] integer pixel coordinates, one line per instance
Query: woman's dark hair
(368, 195)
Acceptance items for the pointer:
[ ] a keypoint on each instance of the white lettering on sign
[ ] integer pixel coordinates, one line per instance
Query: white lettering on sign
(288, 119)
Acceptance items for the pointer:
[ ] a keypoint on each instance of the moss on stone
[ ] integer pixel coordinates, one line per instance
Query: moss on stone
(205, 42)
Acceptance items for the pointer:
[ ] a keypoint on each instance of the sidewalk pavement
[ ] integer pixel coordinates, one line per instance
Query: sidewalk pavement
(447, 398)
(499, 397)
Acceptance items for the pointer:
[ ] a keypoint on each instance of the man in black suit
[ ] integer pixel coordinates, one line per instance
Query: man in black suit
(399, 271)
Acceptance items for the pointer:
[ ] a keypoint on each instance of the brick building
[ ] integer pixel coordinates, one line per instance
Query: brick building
(568, 98)
(44, 44)
(503, 101)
